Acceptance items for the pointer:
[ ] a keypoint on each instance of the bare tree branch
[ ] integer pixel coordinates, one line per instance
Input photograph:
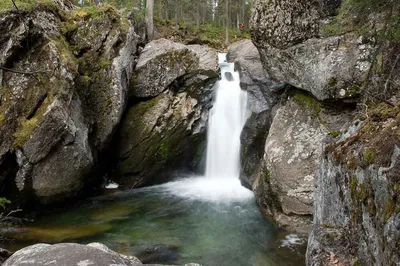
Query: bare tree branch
(380, 99)
(24, 72)
(15, 5)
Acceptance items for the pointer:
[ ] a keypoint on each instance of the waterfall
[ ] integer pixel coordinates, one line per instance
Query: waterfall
(221, 182)
(226, 121)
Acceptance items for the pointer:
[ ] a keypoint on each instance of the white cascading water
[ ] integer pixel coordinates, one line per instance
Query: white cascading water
(226, 120)
(225, 124)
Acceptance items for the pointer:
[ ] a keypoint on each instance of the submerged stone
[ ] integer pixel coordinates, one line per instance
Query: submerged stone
(55, 234)
(159, 254)
(110, 213)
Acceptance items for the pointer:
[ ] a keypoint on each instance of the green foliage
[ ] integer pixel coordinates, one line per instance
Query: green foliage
(358, 16)
(3, 202)
(68, 27)
(96, 12)
(208, 33)
(368, 156)
(6, 5)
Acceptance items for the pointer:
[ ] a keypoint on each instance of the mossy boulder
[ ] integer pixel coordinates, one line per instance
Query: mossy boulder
(160, 138)
(164, 135)
(57, 114)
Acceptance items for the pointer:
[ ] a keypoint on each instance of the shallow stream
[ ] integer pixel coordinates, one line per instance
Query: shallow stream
(217, 231)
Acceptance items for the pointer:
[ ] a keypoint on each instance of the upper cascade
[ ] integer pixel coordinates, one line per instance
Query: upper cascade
(226, 122)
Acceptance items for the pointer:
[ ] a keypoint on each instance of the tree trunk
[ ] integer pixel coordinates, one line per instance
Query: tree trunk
(198, 17)
(149, 19)
(238, 21)
(227, 22)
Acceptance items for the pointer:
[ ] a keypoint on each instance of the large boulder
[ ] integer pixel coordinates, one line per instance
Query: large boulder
(331, 69)
(170, 60)
(302, 44)
(283, 23)
(356, 210)
(285, 183)
(62, 98)
(67, 254)
(166, 133)
(263, 95)
(70, 254)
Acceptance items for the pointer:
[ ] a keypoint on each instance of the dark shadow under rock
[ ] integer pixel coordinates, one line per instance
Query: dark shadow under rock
(159, 254)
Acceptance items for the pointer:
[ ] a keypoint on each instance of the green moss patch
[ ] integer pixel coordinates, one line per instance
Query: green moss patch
(27, 126)
(368, 156)
(307, 101)
(95, 12)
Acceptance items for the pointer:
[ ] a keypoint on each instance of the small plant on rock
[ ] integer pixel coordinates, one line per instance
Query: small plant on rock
(7, 219)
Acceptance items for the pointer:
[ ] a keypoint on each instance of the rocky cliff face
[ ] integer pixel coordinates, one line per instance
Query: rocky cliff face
(166, 133)
(63, 86)
(357, 210)
(341, 52)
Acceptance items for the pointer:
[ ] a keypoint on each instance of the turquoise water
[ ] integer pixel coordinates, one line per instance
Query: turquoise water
(212, 233)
